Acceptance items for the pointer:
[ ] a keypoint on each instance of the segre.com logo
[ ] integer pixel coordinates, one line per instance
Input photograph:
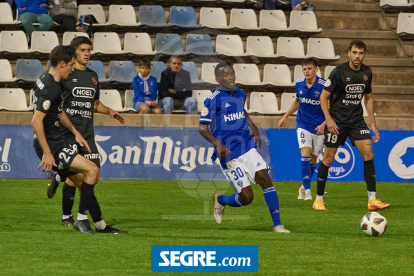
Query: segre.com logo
(206, 258)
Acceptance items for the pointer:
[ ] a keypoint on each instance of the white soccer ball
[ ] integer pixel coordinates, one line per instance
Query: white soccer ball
(373, 224)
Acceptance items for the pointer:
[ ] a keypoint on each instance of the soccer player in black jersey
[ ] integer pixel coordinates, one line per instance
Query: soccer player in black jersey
(347, 84)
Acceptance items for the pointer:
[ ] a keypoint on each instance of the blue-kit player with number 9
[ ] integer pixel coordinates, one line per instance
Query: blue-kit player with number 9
(225, 124)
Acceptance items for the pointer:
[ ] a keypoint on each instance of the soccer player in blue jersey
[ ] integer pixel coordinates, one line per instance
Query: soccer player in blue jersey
(310, 122)
(235, 145)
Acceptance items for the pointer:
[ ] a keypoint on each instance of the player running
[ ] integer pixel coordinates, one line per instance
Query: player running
(346, 86)
(310, 122)
(235, 146)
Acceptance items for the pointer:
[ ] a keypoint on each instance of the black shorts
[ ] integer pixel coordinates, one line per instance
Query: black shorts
(63, 155)
(358, 131)
(93, 156)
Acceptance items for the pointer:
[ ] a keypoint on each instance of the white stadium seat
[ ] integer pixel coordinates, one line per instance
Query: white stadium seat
(328, 70)
(200, 96)
(298, 74)
(44, 42)
(207, 72)
(129, 97)
(106, 43)
(290, 47)
(13, 99)
(405, 25)
(122, 15)
(277, 75)
(395, 3)
(321, 48)
(68, 36)
(6, 74)
(138, 43)
(213, 18)
(95, 9)
(286, 101)
(6, 14)
(112, 99)
(247, 74)
(303, 21)
(229, 45)
(264, 103)
(13, 42)
(260, 46)
(274, 20)
(243, 19)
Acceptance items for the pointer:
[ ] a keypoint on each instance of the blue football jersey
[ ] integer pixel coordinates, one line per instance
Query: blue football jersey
(310, 113)
(225, 114)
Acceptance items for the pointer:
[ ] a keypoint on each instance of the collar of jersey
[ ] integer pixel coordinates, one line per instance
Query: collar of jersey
(236, 89)
(313, 85)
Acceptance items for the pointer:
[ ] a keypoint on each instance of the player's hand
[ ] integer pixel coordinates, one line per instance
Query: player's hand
(376, 136)
(332, 127)
(256, 135)
(48, 162)
(114, 114)
(222, 150)
(82, 142)
(282, 123)
(320, 129)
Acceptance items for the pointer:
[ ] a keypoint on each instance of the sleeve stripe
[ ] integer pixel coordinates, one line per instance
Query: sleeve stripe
(204, 119)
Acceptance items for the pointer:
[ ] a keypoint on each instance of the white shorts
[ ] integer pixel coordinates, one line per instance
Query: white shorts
(310, 140)
(242, 170)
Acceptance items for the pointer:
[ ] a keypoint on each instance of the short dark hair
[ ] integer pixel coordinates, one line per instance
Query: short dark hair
(61, 53)
(175, 56)
(79, 40)
(219, 66)
(145, 62)
(310, 60)
(357, 43)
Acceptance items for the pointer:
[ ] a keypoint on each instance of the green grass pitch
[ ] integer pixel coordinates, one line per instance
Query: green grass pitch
(33, 242)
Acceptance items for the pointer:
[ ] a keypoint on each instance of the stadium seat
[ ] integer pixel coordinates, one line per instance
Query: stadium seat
(199, 44)
(207, 72)
(68, 36)
(122, 71)
(99, 68)
(260, 46)
(328, 70)
(183, 16)
(321, 48)
(364, 109)
(31, 99)
(192, 68)
(247, 74)
(6, 74)
(95, 9)
(229, 45)
(396, 3)
(298, 74)
(106, 43)
(157, 67)
(405, 25)
(129, 97)
(168, 44)
(274, 20)
(28, 69)
(44, 42)
(200, 96)
(152, 16)
(304, 21)
(264, 103)
(286, 101)
(290, 47)
(6, 14)
(213, 18)
(13, 42)
(277, 75)
(112, 99)
(13, 99)
(243, 19)
(122, 15)
(138, 44)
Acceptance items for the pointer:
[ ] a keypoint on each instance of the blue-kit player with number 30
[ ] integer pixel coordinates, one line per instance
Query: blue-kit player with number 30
(225, 124)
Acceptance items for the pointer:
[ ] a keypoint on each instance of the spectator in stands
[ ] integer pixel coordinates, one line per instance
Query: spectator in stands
(175, 88)
(274, 4)
(64, 12)
(34, 11)
(145, 90)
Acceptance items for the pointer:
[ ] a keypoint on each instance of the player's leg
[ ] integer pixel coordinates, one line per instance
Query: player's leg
(68, 198)
(305, 144)
(315, 151)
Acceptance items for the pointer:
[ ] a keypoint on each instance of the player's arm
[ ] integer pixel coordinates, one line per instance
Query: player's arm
(332, 127)
(369, 105)
(293, 107)
(204, 130)
(254, 130)
(64, 119)
(37, 122)
(101, 108)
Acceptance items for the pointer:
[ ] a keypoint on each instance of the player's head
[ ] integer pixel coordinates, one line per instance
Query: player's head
(225, 75)
(310, 68)
(62, 58)
(176, 63)
(82, 46)
(144, 67)
(356, 53)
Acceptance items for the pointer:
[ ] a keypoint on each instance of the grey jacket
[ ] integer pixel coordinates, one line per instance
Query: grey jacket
(67, 7)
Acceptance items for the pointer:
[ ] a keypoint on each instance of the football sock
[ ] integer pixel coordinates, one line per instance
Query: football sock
(88, 195)
(58, 179)
(65, 217)
(272, 201)
(81, 217)
(100, 225)
(371, 195)
(306, 172)
(322, 176)
(318, 197)
(231, 200)
(369, 175)
(68, 197)
(313, 167)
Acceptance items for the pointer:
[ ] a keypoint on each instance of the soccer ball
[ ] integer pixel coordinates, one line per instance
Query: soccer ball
(373, 224)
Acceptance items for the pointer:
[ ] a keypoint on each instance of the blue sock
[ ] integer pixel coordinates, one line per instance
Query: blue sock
(306, 172)
(272, 201)
(231, 200)
(313, 167)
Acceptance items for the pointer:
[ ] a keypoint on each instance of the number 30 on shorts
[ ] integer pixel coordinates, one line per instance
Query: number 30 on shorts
(237, 173)
(332, 138)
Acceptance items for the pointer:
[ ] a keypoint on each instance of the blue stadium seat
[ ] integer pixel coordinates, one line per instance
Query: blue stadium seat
(28, 69)
(99, 68)
(152, 16)
(192, 68)
(157, 67)
(184, 17)
(169, 44)
(199, 44)
(122, 71)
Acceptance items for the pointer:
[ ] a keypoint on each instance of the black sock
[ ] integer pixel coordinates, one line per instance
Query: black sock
(68, 197)
(90, 201)
(369, 175)
(322, 176)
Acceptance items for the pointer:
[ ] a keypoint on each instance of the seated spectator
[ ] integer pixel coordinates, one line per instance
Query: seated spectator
(175, 89)
(145, 90)
(64, 12)
(34, 11)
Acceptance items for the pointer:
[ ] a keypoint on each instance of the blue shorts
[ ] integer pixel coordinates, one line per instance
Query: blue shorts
(137, 106)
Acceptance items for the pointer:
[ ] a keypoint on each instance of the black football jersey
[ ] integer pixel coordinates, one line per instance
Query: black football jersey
(347, 88)
(80, 90)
